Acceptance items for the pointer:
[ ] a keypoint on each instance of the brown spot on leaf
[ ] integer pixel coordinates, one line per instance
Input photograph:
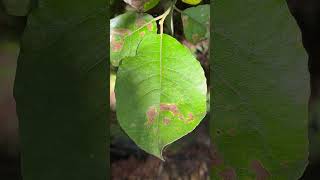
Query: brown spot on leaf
(151, 115)
(284, 164)
(166, 121)
(120, 32)
(140, 22)
(169, 107)
(137, 4)
(231, 132)
(190, 117)
(260, 171)
(195, 37)
(150, 27)
(116, 46)
(117, 38)
(142, 34)
(175, 111)
(228, 174)
(181, 117)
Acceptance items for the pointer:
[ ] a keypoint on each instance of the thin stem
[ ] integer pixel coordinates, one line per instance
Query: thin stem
(171, 16)
(146, 24)
(177, 9)
(164, 15)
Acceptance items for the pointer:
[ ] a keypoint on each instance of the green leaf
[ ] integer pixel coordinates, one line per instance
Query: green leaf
(126, 32)
(261, 91)
(61, 91)
(144, 5)
(150, 4)
(196, 23)
(161, 94)
(17, 7)
(192, 2)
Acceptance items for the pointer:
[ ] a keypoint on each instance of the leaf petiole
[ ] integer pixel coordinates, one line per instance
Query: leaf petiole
(161, 18)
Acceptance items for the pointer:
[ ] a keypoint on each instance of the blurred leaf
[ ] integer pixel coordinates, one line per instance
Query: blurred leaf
(10, 26)
(196, 23)
(125, 34)
(261, 91)
(169, 23)
(17, 7)
(142, 5)
(61, 91)
(160, 98)
(192, 2)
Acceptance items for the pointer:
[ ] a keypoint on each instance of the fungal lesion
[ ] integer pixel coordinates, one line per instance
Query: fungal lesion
(173, 109)
(169, 107)
(152, 114)
(141, 22)
(176, 112)
(190, 117)
(117, 38)
(166, 121)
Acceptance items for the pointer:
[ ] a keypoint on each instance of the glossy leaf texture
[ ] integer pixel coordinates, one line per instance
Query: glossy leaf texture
(142, 5)
(196, 21)
(192, 2)
(260, 94)
(126, 32)
(61, 91)
(161, 94)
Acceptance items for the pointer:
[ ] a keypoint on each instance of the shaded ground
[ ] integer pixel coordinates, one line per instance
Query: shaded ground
(9, 167)
(187, 159)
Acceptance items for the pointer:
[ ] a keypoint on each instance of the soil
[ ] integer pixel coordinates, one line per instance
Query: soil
(187, 159)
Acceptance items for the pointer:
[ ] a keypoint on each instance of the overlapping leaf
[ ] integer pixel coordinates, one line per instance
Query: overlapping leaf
(261, 91)
(160, 92)
(142, 5)
(126, 32)
(192, 2)
(17, 7)
(196, 23)
(61, 91)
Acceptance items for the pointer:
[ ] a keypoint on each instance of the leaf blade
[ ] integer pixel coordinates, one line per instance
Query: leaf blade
(261, 92)
(126, 32)
(60, 88)
(195, 22)
(154, 100)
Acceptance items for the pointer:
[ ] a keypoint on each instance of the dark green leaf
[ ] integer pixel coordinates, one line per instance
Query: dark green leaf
(61, 91)
(261, 91)
(160, 92)
(17, 7)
